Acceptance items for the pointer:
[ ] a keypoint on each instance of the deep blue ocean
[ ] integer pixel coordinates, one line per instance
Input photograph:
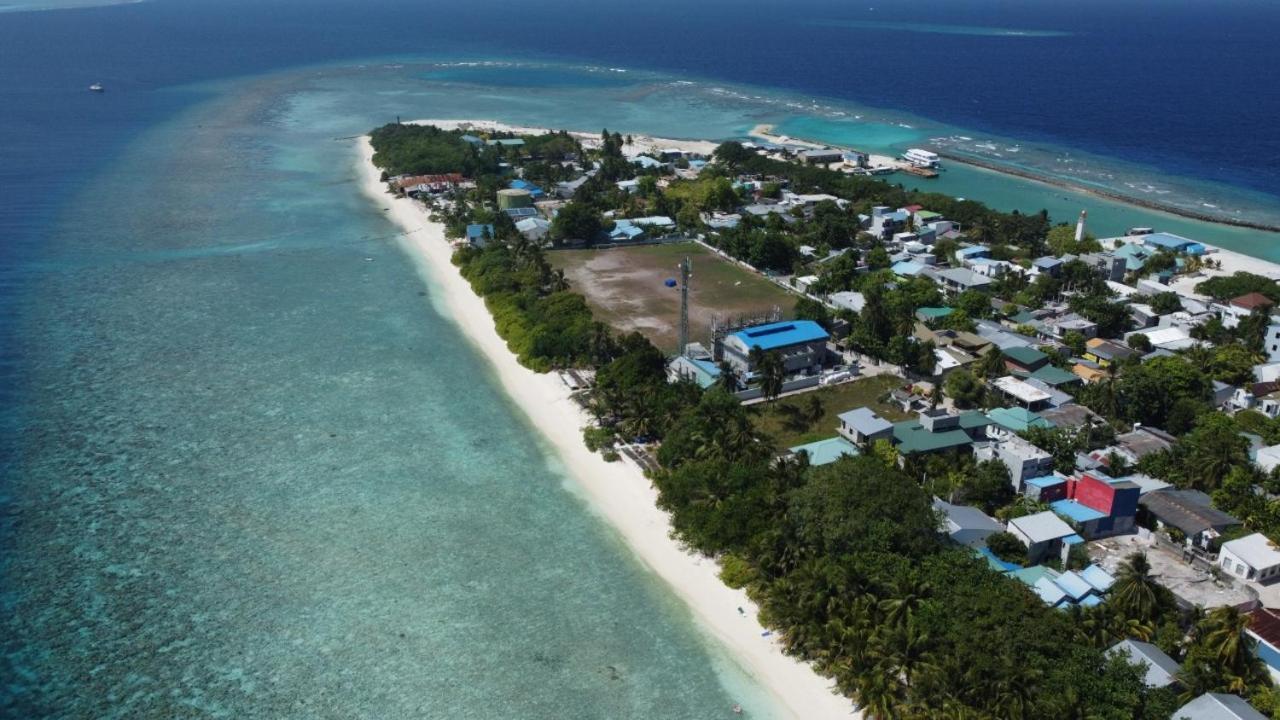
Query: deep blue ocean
(248, 468)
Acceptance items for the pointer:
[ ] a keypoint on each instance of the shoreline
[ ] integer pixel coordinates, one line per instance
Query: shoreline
(619, 492)
(765, 132)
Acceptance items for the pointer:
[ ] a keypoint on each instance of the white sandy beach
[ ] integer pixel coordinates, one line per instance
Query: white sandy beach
(618, 491)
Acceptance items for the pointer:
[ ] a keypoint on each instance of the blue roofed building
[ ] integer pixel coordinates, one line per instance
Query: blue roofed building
(536, 192)
(507, 142)
(906, 268)
(1064, 589)
(939, 431)
(1172, 243)
(1014, 420)
(863, 426)
(801, 345)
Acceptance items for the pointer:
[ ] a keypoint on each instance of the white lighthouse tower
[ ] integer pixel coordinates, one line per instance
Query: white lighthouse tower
(1080, 225)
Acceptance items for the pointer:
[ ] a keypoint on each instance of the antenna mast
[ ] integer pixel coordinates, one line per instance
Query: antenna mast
(685, 268)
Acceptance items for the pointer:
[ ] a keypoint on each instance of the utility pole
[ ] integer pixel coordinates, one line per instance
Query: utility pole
(685, 270)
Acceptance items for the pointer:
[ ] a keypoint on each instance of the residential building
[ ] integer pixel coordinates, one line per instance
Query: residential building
(1105, 352)
(1189, 511)
(534, 228)
(939, 431)
(863, 426)
(1062, 589)
(957, 280)
(825, 452)
(1009, 421)
(1252, 557)
(1022, 392)
(1025, 359)
(1218, 706)
(1264, 627)
(1022, 459)
(848, 300)
(1048, 264)
(1044, 534)
(1267, 458)
(1070, 415)
(1160, 669)
(801, 345)
(1099, 505)
(966, 525)
(1143, 441)
(1271, 343)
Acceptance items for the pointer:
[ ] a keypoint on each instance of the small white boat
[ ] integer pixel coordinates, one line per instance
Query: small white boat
(96, 87)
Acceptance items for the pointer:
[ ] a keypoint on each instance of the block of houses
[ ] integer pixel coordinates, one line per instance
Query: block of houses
(534, 228)
(1252, 557)
(939, 431)
(800, 344)
(966, 525)
(1045, 535)
(1218, 706)
(825, 452)
(1160, 670)
(1062, 589)
(863, 426)
(1100, 506)
(1190, 511)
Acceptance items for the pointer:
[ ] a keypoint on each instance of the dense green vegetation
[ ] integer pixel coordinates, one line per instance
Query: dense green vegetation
(1237, 284)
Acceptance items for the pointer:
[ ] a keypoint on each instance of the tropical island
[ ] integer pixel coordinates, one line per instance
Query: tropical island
(954, 457)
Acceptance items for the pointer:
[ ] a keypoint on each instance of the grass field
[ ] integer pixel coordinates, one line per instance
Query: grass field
(624, 286)
(788, 422)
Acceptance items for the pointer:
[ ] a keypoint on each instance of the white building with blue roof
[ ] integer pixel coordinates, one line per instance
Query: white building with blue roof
(801, 345)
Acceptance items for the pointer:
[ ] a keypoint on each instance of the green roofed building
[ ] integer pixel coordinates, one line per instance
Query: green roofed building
(1054, 376)
(939, 431)
(825, 452)
(1017, 419)
(1025, 358)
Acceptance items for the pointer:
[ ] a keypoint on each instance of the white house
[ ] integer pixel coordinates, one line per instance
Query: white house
(1044, 534)
(1252, 557)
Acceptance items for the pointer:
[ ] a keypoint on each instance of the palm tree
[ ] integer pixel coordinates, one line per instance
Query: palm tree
(729, 378)
(772, 374)
(901, 609)
(1135, 593)
(880, 695)
(1224, 635)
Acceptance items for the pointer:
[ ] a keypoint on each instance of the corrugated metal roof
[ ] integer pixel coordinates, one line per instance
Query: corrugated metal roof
(781, 334)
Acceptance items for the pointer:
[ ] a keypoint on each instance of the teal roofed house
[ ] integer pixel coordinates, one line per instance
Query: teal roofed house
(932, 314)
(825, 452)
(1135, 256)
(1017, 419)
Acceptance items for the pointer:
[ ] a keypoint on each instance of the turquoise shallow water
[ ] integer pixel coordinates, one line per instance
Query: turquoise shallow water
(260, 476)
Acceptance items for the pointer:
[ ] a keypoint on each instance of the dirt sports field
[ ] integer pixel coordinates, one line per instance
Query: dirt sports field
(625, 287)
